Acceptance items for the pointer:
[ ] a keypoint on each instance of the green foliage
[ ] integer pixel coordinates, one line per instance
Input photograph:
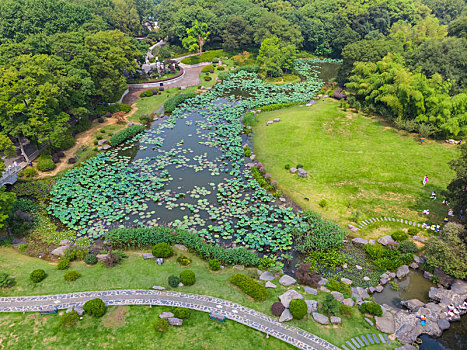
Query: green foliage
(45, 162)
(75, 253)
(7, 201)
(330, 305)
(181, 312)
(173, 281)
(83, 124)
(214, 264)
(266, 263)
(205, 57)
(207, 78)
(298, 308)
(162, 250)
(329, 258)
(196, 37)
(394, 285)
(276, 106)
(183, 260)
(345, 310)
(371, 308)
(249, 119)
(37, 276)
(276, 56)
(63, 264)
(124, 107)
(61, 139)
(341, 287)
(456, 189)
(161, 324)
(71, 276)
(5, 280)
(407, 247)
(90, 259)
(287, 166)
(375, 251)
(69, 319)
(28, 172)
(247, 151)
(173, 102)
(146, 93)
(145, 119)
(126, 134)
(249, 286)
(95, 307)
(207, 68)
(399, 236)
(322, 203)
(412, 231)
(187, 277)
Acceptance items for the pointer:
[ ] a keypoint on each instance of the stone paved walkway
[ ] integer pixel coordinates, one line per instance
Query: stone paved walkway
(249, 317)
(365, 340)
(367, 222)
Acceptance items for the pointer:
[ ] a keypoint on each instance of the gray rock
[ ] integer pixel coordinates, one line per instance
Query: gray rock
(301, 172)
(413, 266)
(288, 296)
(173, 321)
(286, 316)
(360, 241)
(338, 296)
(335, 320)
(443, 324)
(459, 287)
(102, 142)
(181, 284)
(372, 242)
(412, 304)
(266, 276)
(60, 251)
(385, 323)
(166, 315)
(402, 271)
(239, 267)
(353, 229)
(277, 120)
(101, 257)
(383, 281)
(270, 285)
(434, 308)
(64, 242)
(323, 281)
(359, 293)
(427, 275)
(370, 322)
(320, 318)
(371, 290)
(148, 256)
(160, 261)
(158, 288)
(419, 239)
(346, 281)
(379, 288)
(324, 289)
(310, 290)
(358, 267)
(418, 259)
(180, 246)
(366, 278)
(391, 275)
(385, 240)
(293, 170)
(130, 124)
(312, 306)
(79, 310)
(287, 280)
(349, 302)
(406, 347)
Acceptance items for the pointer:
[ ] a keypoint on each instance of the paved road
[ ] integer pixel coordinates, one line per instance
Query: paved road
(249, 317)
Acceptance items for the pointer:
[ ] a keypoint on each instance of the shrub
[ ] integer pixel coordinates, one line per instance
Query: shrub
(277, 308)
(298, 308)
(37, 275)
(299, 166)
(28, 172)
(329, 258)
(183, 260)
(63, 264)
(161, 324)
(112, 259)
(322, 203)
(399, 236)
(95, 307)
(126, 134)
(407, 247)
(375, 251)
(345, 310)
(147, 93)
(249, 286)
(173, 102)
(145, 119)
(306, 275)
(223, 75)
(247, 151)
(337, 286)
(266, 263)
(394, 285)
(330, 305)
(83, 124)
(173, 281)
(45, 162)
(371, 308)
(207, 78)
(187, 277)
(90, 259)
(214, 264)
(162, 250)
(221, 68)
(75, 253)
(181, 312)
(207, 68)
(124, 107)
(22, 247)
(69, 319)
(412, 231)
(71, 276)
(5, 280)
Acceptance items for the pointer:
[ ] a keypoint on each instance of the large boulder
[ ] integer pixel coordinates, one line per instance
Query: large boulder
(360, 294)
(385, 240)
(412, 304)
(346, 281)
(360, 241)
(335, 320)
(320, 318)
(443, 324)
(288, 296)
(310, 290)
(348, 302)
(60, 251)
(270, 285)
(352, 228)
(286, 316)
(444, 279)
(338, 296)
(173, 321)
(166, 315)
(287, 280)
(459, 287)
(402, 271)
(312, 306)
(266, 276)
(301, 172)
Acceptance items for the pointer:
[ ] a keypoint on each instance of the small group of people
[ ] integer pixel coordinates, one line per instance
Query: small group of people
(435, 228)
(455, 313)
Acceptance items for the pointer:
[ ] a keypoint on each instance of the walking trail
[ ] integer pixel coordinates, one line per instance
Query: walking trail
(238, 313)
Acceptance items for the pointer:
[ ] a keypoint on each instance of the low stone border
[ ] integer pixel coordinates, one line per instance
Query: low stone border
(236, 312)
(367, 222)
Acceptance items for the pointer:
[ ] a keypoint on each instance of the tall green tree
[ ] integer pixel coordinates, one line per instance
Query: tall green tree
(7, 200)
(275, 56)
(457, 189)
(196, 37)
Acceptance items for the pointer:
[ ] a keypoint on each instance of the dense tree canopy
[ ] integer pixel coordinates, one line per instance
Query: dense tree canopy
(457, 189)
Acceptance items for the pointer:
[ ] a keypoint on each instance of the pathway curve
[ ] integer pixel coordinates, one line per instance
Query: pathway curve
(365, 340)
(238, 313)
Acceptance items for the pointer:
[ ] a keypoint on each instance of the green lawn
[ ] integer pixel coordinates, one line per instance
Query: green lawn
(354, 162)
(136, 273)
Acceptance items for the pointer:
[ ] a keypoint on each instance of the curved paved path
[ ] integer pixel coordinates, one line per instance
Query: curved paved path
(249, 317)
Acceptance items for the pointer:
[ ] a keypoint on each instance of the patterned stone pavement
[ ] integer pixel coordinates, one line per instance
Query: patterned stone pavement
(238, 313)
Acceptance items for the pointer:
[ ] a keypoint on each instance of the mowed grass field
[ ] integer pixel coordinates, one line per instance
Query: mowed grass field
(354, 162)
(132, 327)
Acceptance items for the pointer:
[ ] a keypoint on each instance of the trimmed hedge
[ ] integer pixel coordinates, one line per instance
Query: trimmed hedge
(181, 312)
(173, 281)
(126, 134)
(187, 277)
(276, 106)
(298, 308)
(173, 102)
(90, 259)
(45, 162)
(249, 286)
(95, 307)
(207, 68)
(63, 264)
(371, 308)
(71, 276)
(37, 275)
(214, 264)
(149, 236)
(162, 250)
(277, 308)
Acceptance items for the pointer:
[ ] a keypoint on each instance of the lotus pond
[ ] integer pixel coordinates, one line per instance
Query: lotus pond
(189, 171)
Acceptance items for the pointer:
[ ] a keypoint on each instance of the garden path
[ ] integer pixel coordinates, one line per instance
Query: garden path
(365, 340)
(238, 313)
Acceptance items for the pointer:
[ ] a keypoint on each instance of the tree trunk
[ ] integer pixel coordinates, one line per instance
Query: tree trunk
(200, 44)
(22, 150)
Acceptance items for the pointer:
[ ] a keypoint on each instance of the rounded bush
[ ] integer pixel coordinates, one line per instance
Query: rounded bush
(207, 78)
(299, 166)
(45, 163)
(124, 107)
(162, 250)
(69, 319)
(71, 276)
(214, 264)
(37, 275)
(95, 307)
(412, 231)
(345, 310)
(90, 259)
(407, 247)
(277, 308)
(161, 324)
(221, 68)
(173, 281)
(371, 308)
(287, 167)
(188, 277)
(399, 236)
(28, 172)
(147, 93)
(298, 308)
(63, 264)
(181, 312)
